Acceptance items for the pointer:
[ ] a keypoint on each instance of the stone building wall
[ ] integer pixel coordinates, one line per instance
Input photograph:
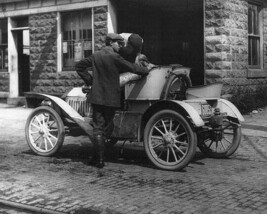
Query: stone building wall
(226, 40)
(100, 26)
(43, 52)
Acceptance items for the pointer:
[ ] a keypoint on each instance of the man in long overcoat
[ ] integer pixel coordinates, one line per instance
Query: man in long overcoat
(107, 65)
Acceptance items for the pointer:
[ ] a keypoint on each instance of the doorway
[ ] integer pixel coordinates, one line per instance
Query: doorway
(23, 61)
(18, 55)
(173, 31)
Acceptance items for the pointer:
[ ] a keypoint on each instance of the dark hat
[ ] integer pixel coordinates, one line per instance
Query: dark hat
(114, 37)
(135, 41)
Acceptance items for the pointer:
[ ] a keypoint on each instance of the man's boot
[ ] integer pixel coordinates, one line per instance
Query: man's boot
(95, 150)
(100, 142)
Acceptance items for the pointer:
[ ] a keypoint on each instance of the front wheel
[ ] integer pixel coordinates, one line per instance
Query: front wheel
(170, 142)
(44, 131)
(221, 143)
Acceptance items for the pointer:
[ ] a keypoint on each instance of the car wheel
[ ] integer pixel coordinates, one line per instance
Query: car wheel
(221, 144)
(44, 131)
(169, 141)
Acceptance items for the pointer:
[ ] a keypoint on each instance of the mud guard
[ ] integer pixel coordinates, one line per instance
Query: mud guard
(230, 109)
(74, 115)
(195, 117)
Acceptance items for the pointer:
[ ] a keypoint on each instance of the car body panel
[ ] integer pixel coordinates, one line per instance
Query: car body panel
(151, 86)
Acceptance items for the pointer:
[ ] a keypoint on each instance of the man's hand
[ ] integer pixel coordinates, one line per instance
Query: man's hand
(86, 89)
(150, 66)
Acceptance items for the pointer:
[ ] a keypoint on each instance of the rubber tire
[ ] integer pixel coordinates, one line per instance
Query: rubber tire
(235, 144)
(191, 134)
(60, 125)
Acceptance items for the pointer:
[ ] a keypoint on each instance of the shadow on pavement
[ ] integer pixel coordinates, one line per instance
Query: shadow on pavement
(82, 152)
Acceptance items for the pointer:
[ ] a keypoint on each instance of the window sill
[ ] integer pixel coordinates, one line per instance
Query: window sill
(256, 73)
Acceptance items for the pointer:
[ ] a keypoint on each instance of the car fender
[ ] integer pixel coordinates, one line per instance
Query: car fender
(70, 112)
(182, 107)
(230, 109)
(193, 114)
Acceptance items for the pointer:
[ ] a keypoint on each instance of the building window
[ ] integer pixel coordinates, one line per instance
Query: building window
(3, 45)
(76, 37)
(254, 36)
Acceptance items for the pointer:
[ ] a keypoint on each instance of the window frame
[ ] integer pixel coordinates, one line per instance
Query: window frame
(257, 71)
(61, 66)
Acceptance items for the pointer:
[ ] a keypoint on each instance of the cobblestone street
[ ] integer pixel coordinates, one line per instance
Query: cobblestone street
(129, 183)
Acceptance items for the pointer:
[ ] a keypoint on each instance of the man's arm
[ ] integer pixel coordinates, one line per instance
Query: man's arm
(81, 68)
(126, 66)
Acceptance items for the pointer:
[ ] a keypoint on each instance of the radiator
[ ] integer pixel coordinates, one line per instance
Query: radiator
(81, 105)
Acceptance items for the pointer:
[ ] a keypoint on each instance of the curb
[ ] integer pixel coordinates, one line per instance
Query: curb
(254, 130)
(254, 133)
(28, 207)
(254, 127)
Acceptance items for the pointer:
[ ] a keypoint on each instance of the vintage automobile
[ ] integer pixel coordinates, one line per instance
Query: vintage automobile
(162, 110)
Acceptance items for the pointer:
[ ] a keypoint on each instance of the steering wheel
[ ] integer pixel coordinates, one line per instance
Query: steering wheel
(176, 86)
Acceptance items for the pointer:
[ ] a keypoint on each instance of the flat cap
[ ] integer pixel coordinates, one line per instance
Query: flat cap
(114, 37)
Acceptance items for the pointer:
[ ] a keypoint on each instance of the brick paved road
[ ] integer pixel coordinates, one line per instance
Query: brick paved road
(129, 184)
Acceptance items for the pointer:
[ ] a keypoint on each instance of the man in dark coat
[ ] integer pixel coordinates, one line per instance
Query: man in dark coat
(107, 65)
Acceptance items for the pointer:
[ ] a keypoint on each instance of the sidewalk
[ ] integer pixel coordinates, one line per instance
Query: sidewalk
(255, 124)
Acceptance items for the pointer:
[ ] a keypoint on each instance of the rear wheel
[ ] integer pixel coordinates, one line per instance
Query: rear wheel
(221, 143)
(170, 142)
(44, 131)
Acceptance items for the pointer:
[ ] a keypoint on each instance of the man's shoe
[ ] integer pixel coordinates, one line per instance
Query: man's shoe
(92, 160)
(100, 164)
(100, 161)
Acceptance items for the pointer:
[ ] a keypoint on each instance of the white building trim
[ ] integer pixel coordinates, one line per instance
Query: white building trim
(56, 8)
(59, 43)
(12, 60)
(112, 18)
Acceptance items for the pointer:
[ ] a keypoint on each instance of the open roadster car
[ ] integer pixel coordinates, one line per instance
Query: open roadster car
(162, 110)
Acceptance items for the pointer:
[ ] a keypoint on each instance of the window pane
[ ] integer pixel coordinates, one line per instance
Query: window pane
(254, 51)
(253, 19)
(250, 22)
(3, 45)
(254, 37)
(3, 58)
(77, 37)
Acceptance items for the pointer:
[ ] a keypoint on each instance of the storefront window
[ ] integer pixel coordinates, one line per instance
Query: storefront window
(254, 36)
(3, 45)
(76, 37)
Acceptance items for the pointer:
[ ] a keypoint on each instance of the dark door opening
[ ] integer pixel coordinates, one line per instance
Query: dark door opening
(23, 61)
(173, 31)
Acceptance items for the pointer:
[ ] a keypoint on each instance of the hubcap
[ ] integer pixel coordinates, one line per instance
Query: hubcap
(169, 138)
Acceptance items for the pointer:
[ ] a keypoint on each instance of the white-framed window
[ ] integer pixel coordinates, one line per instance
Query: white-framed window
(255, 36)
(3, 46)
(76, 36)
